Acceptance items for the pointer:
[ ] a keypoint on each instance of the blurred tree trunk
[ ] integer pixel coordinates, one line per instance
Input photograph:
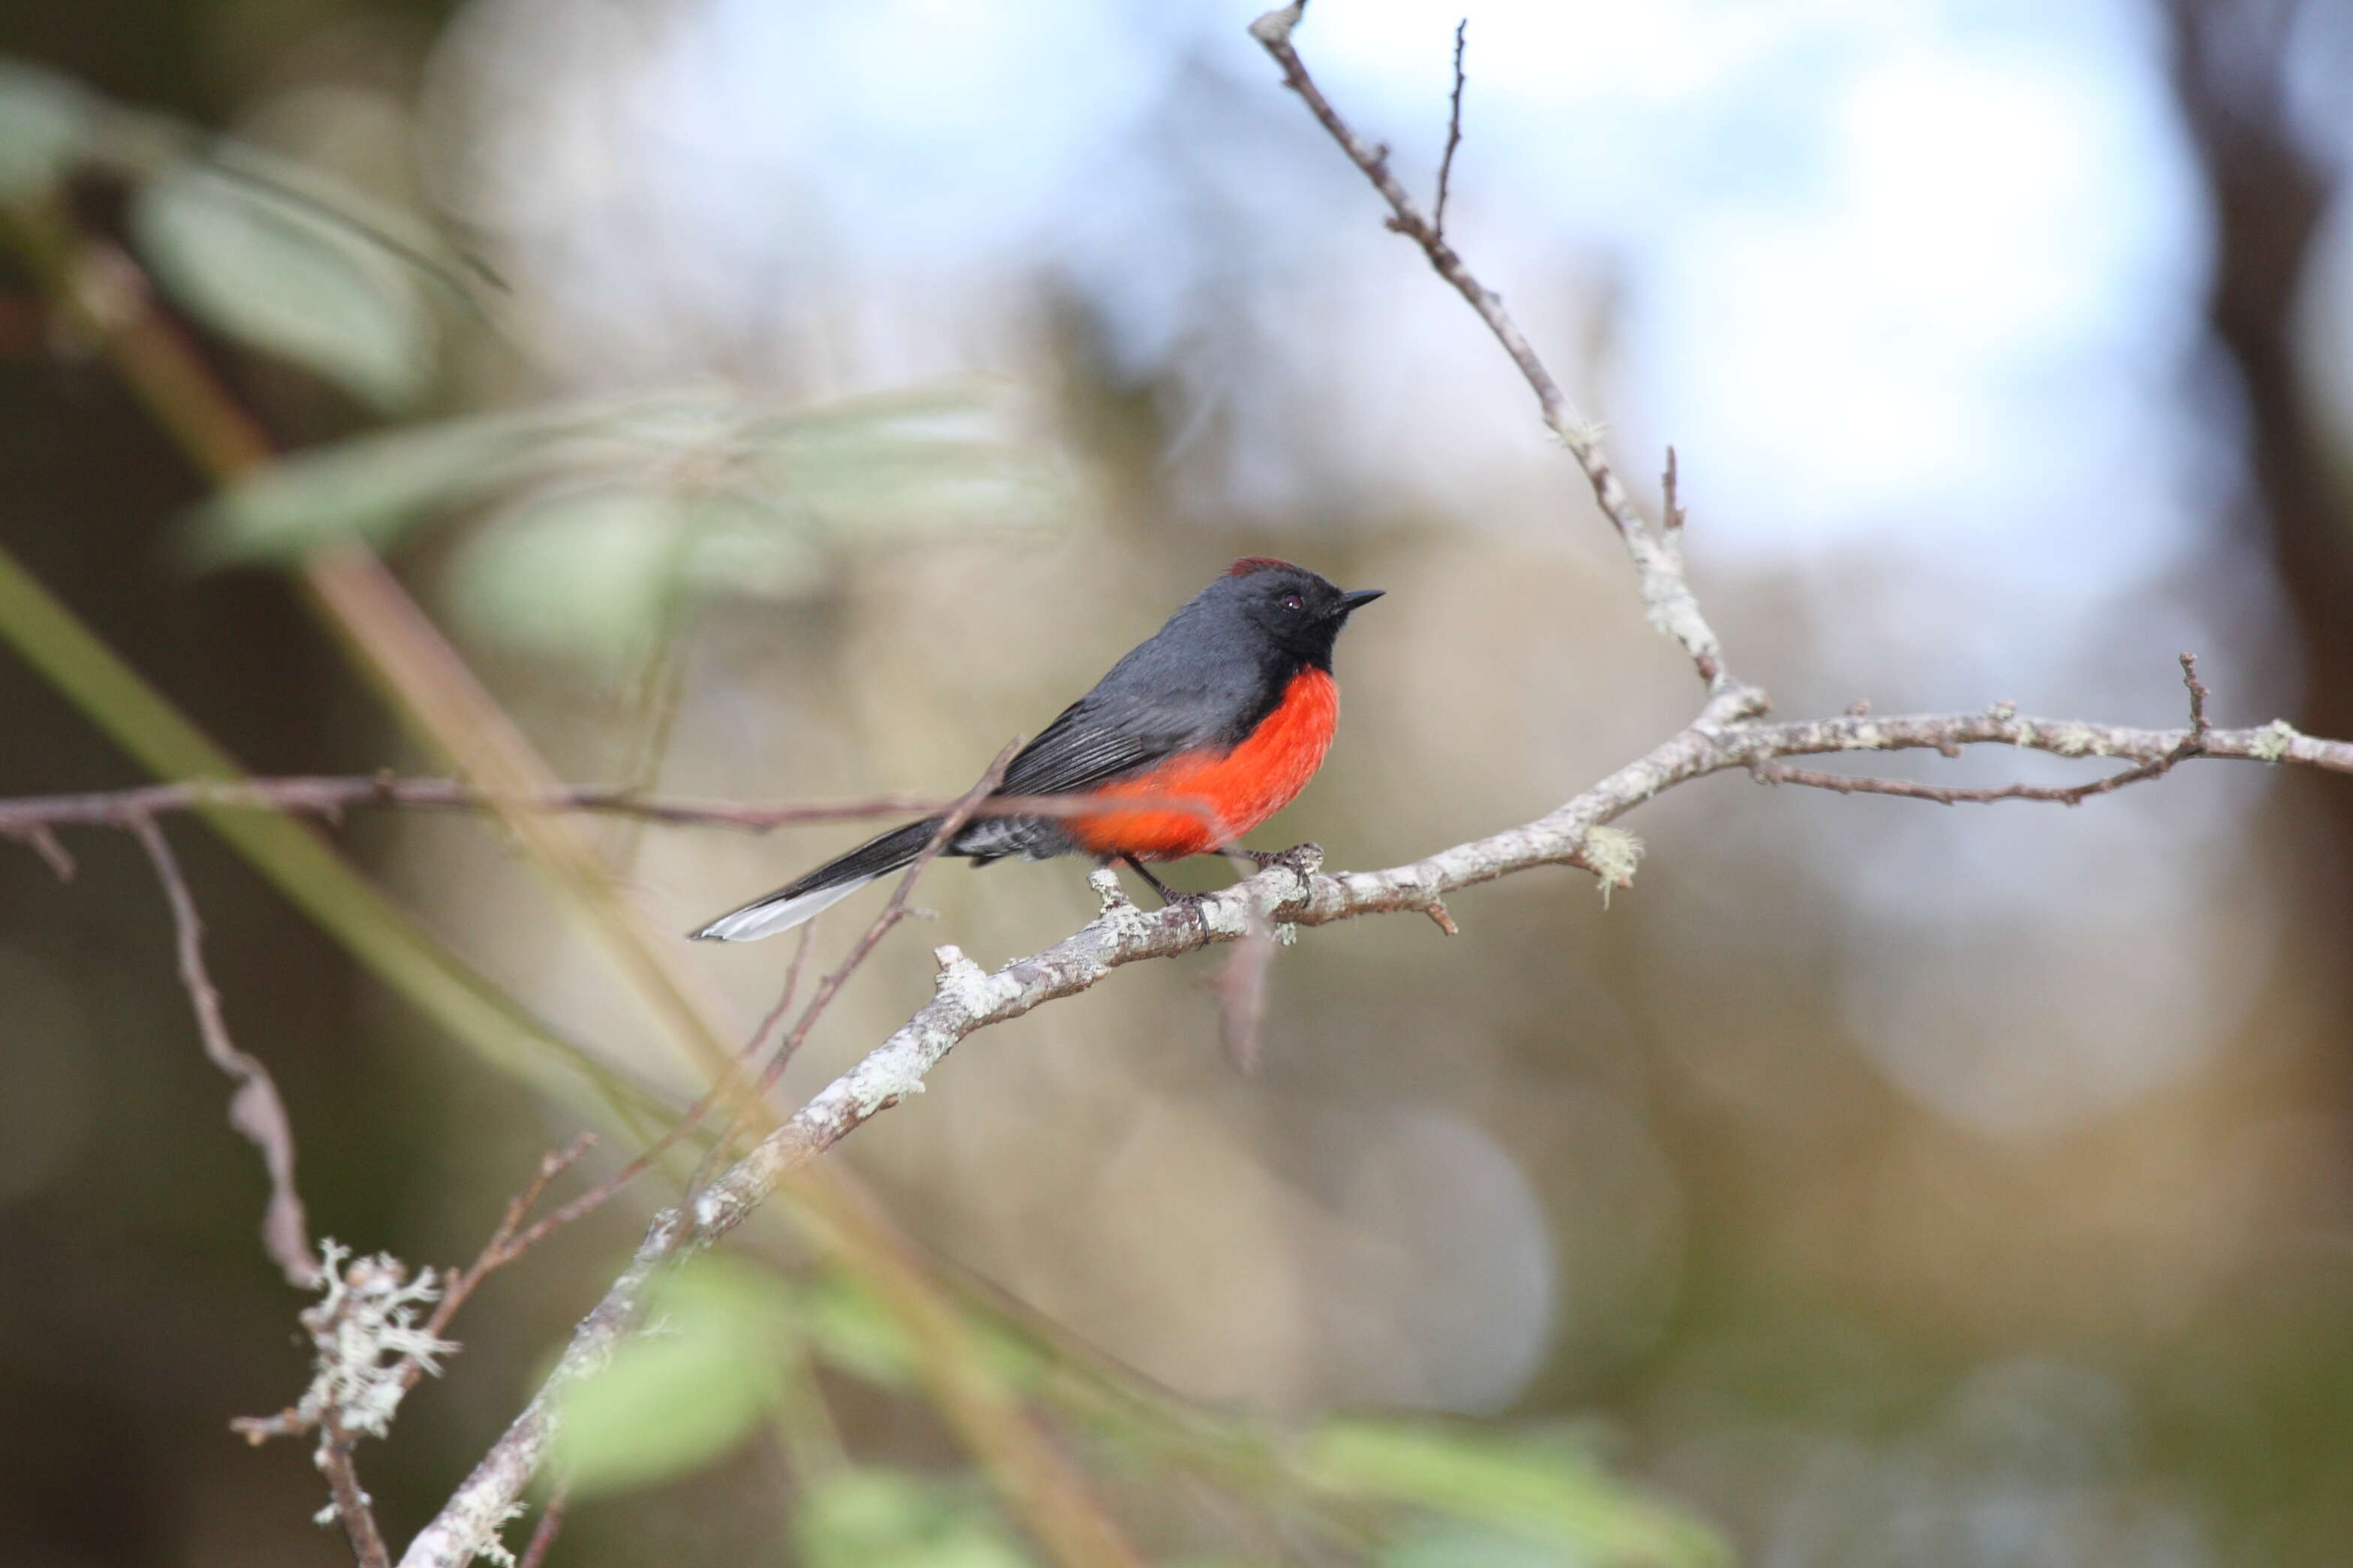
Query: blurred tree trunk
(2269, 190)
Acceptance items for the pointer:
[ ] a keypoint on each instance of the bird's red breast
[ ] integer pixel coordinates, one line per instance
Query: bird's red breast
(1242, 786)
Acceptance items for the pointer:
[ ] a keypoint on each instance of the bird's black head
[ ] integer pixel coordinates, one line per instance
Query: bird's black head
(1300, 612)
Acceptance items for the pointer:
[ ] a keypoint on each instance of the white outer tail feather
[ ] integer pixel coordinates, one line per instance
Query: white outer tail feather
(766, 917)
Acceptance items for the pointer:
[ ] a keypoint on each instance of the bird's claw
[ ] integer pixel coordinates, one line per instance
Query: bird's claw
(1304, 859)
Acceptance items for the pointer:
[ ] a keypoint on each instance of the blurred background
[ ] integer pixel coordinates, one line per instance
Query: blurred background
(782, 401)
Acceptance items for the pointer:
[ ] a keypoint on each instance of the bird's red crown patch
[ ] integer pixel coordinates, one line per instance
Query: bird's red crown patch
(1250, 563)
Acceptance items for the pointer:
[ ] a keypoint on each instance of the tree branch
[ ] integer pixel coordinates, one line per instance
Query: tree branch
(1658, 555)
(2193, 744)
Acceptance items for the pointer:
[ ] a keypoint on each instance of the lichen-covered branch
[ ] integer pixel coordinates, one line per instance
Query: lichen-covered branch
(1294, 893)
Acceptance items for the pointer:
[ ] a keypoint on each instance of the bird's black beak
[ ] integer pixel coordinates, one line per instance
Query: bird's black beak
(1351, 603)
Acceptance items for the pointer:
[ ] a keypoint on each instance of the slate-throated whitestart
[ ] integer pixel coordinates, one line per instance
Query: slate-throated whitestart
(1223, 715)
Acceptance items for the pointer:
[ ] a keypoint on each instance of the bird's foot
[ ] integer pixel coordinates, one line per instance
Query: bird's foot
(1304, 859)
(1169, 895)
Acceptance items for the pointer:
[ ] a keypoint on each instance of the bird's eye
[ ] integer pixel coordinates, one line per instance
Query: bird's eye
(1293, 601)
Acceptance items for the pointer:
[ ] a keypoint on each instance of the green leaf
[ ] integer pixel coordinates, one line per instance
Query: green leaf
(684, 1393)
(593, 575)
(888, 1519)
(604, 521)
(379, 225)
(843, 1327)
(601, 575)
(1548, 1493)
(288, 278)
(46, 124)
(373, 489)
(1455, 1544)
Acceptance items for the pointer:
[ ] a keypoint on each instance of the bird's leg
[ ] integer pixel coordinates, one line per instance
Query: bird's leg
(1168, 895)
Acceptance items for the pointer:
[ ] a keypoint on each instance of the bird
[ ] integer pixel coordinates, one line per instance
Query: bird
(1214, 722)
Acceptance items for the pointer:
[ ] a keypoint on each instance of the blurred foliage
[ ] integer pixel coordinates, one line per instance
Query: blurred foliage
(1549, 1496)
(700, 1379)
(46, 126)
(290, 279)
(728, 1339)
(600, 519)
(877, 1518)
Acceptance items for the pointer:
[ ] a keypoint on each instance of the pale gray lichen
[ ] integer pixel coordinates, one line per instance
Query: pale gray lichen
(1865, 737)
(1612, 854)
(882, 1079)
(1670, 607)
(2078, 740)
(960, 979)
(2002, 711)
(488, 1546)
(1274, 27)
(366, 1326)
(1582, 434)
(1119, 918)
(2273, 740)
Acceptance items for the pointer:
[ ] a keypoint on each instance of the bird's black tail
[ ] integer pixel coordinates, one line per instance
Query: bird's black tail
(830, 883)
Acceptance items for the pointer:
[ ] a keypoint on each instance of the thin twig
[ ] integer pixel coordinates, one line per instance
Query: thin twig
(596, 1197)
(44, 843)
(1454, 133)
(952, 823)
(1241, 985)
(504, 1246)
(329, 797)
(353, 1508)
(892, 914)
(255, 1109)
(2194, 743)
(543, 1535)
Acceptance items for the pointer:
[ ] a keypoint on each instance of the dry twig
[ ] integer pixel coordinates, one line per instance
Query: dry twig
(951, 823)
(31, 816)
(2192, 745)
(255, 1109)
(1454, 133)
(543, 1535)
(596, 1197)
